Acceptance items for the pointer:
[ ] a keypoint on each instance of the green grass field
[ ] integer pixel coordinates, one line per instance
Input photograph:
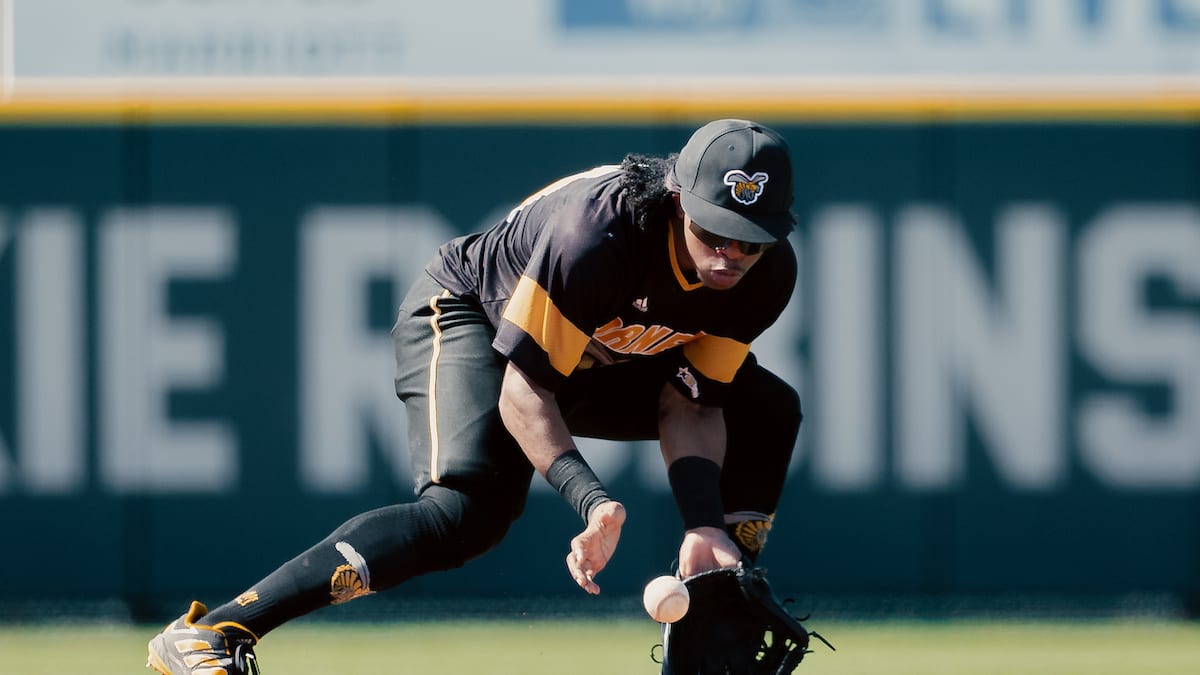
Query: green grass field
(624, 646)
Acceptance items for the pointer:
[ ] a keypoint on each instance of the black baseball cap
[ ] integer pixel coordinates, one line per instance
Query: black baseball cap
(735, 179)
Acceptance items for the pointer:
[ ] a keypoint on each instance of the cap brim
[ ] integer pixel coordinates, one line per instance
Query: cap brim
(759, 229)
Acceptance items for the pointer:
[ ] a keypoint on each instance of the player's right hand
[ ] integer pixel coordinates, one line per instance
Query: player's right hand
(593, 548)
(707, 548)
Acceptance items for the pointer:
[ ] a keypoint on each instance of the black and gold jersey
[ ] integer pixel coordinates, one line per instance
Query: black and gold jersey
(569, 281)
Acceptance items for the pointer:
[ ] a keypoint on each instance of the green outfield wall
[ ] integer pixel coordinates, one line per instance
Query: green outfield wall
(996, 335)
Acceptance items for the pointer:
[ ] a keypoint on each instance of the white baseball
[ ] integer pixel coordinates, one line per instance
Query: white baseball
(666, 599)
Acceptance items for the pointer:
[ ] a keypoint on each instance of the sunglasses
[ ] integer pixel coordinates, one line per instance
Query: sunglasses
(719, 243)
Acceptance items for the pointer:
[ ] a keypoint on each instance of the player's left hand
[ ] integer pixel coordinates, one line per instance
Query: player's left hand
(705, 549)
(593, 548)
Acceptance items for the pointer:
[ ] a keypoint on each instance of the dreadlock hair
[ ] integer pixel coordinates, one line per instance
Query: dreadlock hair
(648, 182)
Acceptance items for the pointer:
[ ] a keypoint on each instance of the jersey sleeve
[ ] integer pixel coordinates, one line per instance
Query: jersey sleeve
(577, 274)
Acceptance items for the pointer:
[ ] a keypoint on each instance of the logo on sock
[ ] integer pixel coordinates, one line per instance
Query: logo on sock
(249, 597)
(750, 529)
(352, 580)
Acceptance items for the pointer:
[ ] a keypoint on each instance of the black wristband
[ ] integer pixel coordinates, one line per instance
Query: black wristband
(571, 476)
(696, 484)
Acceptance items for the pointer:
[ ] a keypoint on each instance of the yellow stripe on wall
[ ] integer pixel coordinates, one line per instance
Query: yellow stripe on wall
(779, 104)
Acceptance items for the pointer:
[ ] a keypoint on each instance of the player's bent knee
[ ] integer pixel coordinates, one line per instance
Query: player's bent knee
(784, 398)
(760, 395)
(476, 522)
(441, 530)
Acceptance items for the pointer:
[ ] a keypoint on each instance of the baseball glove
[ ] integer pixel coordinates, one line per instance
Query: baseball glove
(735, 625)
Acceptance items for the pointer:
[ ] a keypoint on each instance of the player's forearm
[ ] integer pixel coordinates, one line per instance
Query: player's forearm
(689, 430)
(692, 438)
(531, 415)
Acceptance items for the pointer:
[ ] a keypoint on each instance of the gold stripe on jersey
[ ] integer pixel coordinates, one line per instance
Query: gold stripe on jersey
(679, 275)
(435, 473)
(716, 358)
(532, 310)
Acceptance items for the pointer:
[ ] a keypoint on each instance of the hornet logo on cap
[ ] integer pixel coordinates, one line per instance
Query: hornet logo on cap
(745, 189)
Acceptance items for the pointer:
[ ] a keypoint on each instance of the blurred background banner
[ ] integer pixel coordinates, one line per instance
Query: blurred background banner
(744, 38)
(209, 212)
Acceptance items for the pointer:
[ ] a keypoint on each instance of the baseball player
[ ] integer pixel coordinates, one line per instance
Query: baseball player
(617, 303)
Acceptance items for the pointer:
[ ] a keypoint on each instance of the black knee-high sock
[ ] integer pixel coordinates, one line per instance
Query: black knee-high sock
(371, 552)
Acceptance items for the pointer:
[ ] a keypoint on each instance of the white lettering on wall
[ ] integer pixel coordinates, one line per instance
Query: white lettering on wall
(346, 378)
(50, 338)
(778, 349)
(145, 353)
(962, 332)
(993, 346)
(848, 273)
(1133, 344)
